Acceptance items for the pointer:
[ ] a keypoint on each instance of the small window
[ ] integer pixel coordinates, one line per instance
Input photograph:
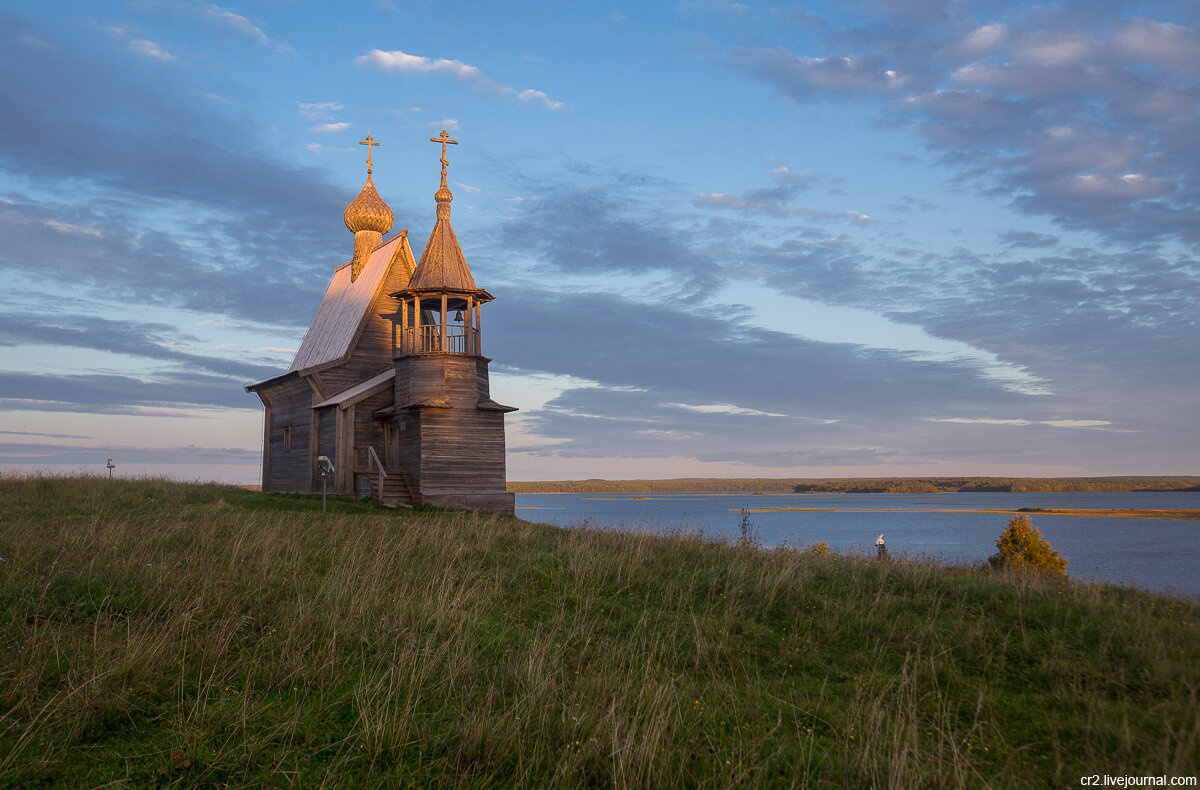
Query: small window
(287, 437)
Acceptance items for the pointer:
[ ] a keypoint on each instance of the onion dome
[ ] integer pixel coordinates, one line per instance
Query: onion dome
(368, 211)
(443, 197)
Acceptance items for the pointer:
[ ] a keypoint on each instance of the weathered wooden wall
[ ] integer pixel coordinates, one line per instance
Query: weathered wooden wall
(326, 437)
(368, 430)
(457, 451)
(291, 405)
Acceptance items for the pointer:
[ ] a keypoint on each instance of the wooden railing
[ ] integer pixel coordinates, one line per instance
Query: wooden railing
(427, 339)
(373, 458)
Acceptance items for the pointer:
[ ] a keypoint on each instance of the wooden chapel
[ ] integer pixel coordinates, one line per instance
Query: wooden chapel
(390, 382)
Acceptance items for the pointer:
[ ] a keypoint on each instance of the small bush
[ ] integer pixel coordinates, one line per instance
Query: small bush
(818, 549)
(1022, 547)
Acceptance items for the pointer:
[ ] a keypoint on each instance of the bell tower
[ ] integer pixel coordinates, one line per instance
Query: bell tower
(446, 432)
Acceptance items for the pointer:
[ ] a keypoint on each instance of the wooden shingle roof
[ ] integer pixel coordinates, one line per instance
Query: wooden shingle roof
(442, 266)
(346, 305)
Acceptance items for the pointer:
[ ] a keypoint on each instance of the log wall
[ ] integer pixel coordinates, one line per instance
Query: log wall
(456, 452)
(291, 405)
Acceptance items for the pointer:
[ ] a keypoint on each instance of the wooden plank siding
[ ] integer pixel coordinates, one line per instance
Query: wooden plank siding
(286, 468)
(454, 455)
(368, 429)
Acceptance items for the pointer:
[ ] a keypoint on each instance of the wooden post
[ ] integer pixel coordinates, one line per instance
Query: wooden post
(266, 463)
(478, 330)
(469, 327)
(417, 349)
(444, 346)
(403, 326)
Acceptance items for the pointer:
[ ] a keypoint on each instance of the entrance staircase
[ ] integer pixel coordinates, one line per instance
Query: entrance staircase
(389, 486)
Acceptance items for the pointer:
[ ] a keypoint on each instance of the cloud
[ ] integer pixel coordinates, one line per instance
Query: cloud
(134, 338)
(724, 408)
(42, 435)
(803, 78)
(125, 455)
(724, 8)
(149, 49)
(1080, 118)
(118, 394)
(141, 46)
(530, 95)
(319, 111)
(1000, 421)
(228, 19)
(1096, 329)
(1026, 239)
(1162, 44)
(399, 61)
(250, 218)
(217, 18)
(322, 128)
(773, 201)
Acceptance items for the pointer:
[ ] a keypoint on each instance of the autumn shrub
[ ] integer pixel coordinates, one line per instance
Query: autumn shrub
(818, 549)
(1022, 547)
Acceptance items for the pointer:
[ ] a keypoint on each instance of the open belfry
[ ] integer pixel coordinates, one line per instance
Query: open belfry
(390, 382)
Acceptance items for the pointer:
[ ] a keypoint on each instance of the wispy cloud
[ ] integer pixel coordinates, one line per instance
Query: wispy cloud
(228, 19)
(538, 97)
(399, 61)
(323, 128)
(319, 111)
(725, 8)
(140, 45)
(724, 408)
(1002, 421)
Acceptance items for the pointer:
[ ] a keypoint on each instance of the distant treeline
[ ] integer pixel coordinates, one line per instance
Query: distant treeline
(596, 486)
(936, 485)
(888, 485)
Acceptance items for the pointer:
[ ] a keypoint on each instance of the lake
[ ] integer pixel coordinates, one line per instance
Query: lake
(1155, 554)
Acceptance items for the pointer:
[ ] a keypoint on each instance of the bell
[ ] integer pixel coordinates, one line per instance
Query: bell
(458, 316)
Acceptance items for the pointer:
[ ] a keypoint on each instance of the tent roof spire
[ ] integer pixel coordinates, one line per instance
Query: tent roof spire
(442, 266)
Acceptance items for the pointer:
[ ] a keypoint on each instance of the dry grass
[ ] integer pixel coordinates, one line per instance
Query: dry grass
(172, 635)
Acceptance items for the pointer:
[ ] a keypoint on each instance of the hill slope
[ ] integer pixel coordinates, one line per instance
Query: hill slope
(173, 635)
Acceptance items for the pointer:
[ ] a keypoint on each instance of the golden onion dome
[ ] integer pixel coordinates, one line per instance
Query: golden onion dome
(368, 211)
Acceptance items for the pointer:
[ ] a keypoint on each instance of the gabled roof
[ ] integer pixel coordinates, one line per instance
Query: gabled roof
(360, 391)
(345, 307)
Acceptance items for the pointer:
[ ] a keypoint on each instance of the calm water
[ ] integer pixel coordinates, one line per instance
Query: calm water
(1157, 554)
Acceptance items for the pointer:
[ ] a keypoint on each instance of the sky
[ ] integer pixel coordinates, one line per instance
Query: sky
(726, 239)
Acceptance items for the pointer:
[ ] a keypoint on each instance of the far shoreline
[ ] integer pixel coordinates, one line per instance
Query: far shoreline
(864, 485)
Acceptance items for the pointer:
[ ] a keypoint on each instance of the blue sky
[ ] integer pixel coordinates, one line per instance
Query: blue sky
(726, 239)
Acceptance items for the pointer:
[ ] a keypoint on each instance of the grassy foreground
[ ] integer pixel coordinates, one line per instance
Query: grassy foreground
(162, 634)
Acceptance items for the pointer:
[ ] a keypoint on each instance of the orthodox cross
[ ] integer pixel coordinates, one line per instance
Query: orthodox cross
(368, 143)
(443, 138)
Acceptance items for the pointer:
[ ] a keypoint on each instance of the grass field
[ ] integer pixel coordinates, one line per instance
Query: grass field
(172, 635)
